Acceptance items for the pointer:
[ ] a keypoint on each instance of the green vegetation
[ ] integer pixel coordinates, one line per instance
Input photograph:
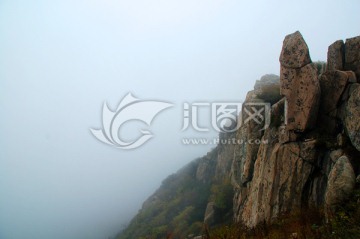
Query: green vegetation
(184, 221)
(175, 210)
(222, 194)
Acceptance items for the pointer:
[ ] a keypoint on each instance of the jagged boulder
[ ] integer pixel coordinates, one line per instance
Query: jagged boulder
(352, 55)
(295, 52)
(341, 182)
(335, 56)
(299, 84)
(268, 88)
(302, 91)
(277, 113)
(351, 115)
(244, 156)
(224, 156)
(299, 165)
(314, 193)
(280, 175)
(294, 165)
(332, 84)
(244, 152)
(243, 196)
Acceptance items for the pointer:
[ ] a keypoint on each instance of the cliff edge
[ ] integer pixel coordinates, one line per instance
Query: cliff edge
(307, 155)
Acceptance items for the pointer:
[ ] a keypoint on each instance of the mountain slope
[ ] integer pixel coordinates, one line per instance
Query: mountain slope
(302, 153)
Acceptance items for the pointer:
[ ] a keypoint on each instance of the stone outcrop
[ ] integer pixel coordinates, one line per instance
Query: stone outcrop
(299, 84)
(268, 88)
(305, 153)
(302, 91)
(244, 153)
(281, 173)
(333, 84)
(341, 182)
(314, 130)
(335, 56)
(206, 168)
(352, 55)
(351, 115)
(295, 52)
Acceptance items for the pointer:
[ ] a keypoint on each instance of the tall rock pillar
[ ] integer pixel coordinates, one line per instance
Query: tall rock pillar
(299, 84)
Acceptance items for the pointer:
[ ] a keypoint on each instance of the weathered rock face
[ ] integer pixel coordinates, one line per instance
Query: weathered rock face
(302, 91)
(333, 84)
(225, 155)
(352, 55)
(280, 175)
(295, 52)
(299, 84)
(268, 88)
(341, 182)
(307, 156)
(244, 153)
(351, 116)
(336, 54)
(312, 128)
(206, 168)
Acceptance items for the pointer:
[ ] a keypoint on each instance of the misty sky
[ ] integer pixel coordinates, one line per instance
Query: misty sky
(61, 60)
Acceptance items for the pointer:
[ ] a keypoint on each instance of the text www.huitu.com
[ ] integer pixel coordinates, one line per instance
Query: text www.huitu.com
(215, 141)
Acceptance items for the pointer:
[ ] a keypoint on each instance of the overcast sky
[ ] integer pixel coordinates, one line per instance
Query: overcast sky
(61, 60)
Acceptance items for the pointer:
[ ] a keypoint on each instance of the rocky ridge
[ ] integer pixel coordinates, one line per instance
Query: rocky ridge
(309, 154)
(312, 154)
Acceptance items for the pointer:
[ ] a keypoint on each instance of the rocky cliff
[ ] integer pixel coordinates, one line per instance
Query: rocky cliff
(307, 155)
(312, 151)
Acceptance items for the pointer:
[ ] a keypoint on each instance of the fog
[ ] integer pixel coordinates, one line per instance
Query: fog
(61, 60)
